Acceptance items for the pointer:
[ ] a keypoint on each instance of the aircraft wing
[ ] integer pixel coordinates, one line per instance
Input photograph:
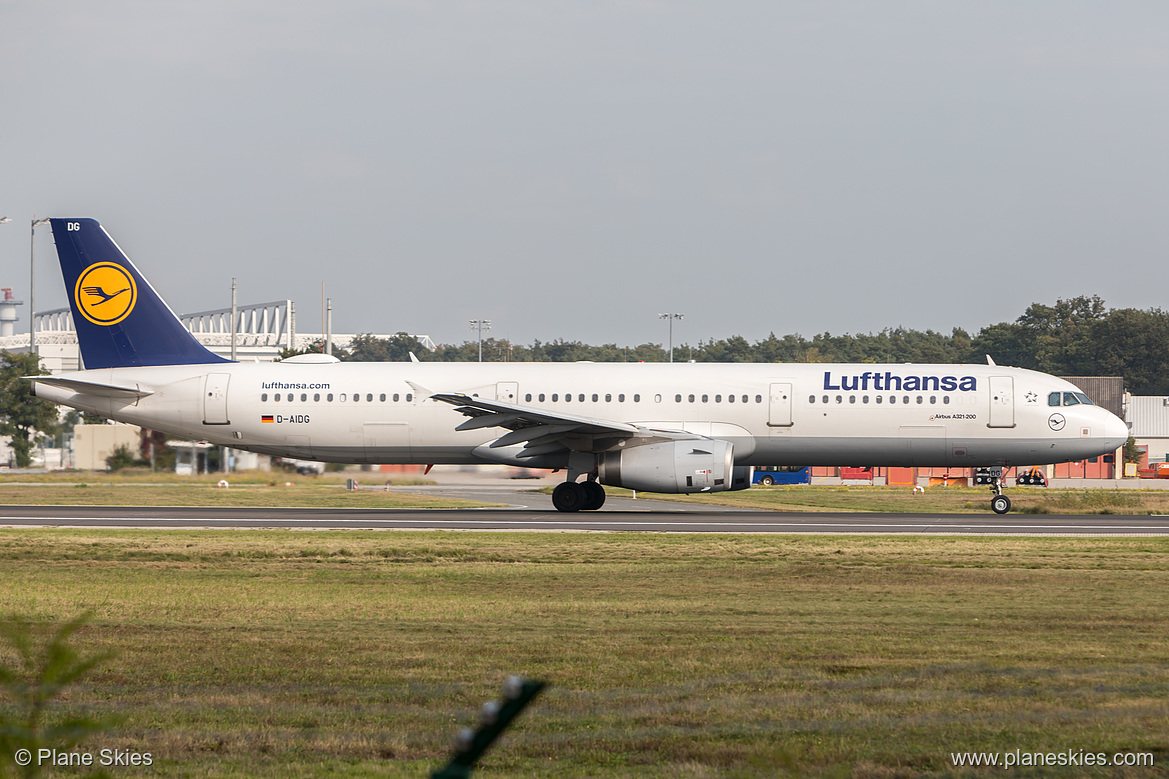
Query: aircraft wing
(544, 432)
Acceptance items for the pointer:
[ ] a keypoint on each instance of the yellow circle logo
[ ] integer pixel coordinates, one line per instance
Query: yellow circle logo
(105, 293)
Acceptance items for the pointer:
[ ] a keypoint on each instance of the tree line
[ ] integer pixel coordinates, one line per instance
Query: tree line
(1075, 337)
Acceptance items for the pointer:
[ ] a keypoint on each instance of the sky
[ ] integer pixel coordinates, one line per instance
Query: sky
(573, 169)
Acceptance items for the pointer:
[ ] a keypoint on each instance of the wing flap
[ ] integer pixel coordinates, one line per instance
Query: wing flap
(548, 432)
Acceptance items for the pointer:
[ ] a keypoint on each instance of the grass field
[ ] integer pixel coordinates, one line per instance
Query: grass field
(278, 653)
(951, 500)
(263, 496)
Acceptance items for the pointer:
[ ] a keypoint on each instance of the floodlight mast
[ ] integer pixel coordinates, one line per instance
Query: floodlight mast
(671, 317)
(480, 325)
(32, 311)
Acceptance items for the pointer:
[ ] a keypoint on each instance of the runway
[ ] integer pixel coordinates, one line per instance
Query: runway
(671, 518)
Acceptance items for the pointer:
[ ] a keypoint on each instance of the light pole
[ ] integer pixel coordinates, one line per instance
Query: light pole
(480, 325)
(32, 311)
(671, 317)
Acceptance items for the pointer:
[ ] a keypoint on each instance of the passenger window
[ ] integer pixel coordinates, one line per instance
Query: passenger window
(1070, 399)
(595, 398)
(839, 398)
(881, 399)
(933, 400)
(608, 398)
(852, 398)
(946, 399)
(409, 397)
(329, 397)
(825, 399)
(691, 398)
(730, 398)
(677, 398)
(356, 397)
(719, 398)
(905, 399)
(919, 399)
(316, 397)
(581, 398)
(396, 397)
(1053, 399)
(264, 396)
(705, 398)
(276, 398)
(342, 398)
(758, 398)
(621, 398)
(555, 397)
(568, 397)
(303, 397)
(382, 397)
(811, 398)
(541, 397)
(528, 398)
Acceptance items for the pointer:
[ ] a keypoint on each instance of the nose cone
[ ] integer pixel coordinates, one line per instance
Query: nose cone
(1115, 429)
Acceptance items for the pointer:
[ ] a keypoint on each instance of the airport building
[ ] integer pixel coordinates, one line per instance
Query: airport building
(262, 331)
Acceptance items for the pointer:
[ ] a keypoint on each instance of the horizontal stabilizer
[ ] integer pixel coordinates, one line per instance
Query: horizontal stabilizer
(94, 388)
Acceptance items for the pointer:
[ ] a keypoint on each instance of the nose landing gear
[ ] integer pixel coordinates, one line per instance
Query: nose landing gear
(1000, 503)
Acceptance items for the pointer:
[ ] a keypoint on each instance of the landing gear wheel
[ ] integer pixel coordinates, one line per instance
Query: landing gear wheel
(594, 496)
(569, 496)
(1000, 504)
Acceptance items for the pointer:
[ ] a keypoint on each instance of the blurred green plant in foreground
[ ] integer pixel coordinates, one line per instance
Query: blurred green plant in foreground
(37, 666)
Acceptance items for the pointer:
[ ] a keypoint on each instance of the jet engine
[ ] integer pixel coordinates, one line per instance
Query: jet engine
(701, 465)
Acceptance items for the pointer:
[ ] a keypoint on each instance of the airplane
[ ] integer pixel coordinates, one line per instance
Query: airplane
(653, 427)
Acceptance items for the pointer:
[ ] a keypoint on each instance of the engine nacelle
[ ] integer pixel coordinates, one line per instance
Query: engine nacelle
(674, 467)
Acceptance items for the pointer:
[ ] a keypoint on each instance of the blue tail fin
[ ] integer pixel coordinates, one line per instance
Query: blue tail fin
(120, 320)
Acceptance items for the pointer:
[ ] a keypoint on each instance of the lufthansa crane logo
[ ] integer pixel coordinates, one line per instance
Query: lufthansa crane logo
(1056, 422)
(105, 293)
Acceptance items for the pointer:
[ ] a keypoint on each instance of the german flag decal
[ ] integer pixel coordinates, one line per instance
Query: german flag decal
(267, 418)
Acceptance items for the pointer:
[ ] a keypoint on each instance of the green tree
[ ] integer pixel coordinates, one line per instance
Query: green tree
(316, 347)
(396, 348)
(21, 412)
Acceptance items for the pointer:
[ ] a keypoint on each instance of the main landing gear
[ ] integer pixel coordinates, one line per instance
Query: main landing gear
(1000, 503)
(578, 496)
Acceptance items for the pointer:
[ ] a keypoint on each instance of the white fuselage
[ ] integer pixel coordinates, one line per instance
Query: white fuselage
(773, 414)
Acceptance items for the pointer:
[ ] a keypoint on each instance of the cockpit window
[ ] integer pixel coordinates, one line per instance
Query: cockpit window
(1053, 399)
(1087, 401)
(1070, 399)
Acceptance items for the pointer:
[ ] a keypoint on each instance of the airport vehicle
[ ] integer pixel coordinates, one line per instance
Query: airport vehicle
(655, 427)
(768, 475)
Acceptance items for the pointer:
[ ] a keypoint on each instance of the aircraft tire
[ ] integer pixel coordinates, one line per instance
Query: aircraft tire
(1000, 504)
(569, 496)
(594, 496)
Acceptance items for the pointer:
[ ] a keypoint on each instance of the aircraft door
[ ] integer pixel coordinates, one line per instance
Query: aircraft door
(507, 391)
(1002, 401)
(780, 405)
(215, 399)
